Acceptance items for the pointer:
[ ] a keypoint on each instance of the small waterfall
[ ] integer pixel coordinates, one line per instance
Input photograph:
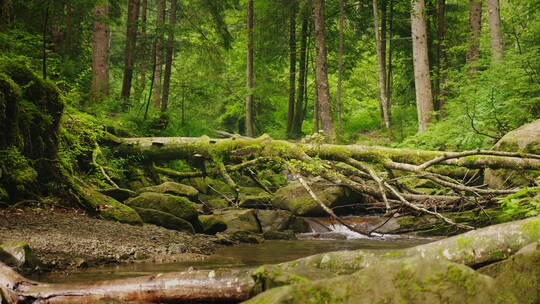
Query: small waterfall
(326, 228)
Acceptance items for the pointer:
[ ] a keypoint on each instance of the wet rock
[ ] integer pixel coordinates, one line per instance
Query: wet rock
(296, 199)
(410, 280)
(279, 235)
(177, 206)
(524, 139)
(118, 194)
(21, 255)
(242, 237)
(212, 224)
(240, 220)
(173, 188)
(163, 219)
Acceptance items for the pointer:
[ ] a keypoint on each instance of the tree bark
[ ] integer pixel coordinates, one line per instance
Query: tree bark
(424, 97)
(100, 53)
(321, 74)
(292, 70)
(169, 57)
(302, 76)
(131, 42)
(381, 60)
(249, 71)
(497, 50)
(339, 101)
(442, 58)
(390, 56)
(475, 25)
(142, 50)
(160, 21)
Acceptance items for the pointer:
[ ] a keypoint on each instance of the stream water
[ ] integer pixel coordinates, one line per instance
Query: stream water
(325, 237)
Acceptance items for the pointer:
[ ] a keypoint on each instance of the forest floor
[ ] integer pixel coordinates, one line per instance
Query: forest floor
(63, 238)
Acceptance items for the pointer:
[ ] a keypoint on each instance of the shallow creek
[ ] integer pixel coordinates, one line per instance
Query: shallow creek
(251, 255)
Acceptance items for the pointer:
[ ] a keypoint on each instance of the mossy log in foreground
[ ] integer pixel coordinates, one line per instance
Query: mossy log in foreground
(475, 248)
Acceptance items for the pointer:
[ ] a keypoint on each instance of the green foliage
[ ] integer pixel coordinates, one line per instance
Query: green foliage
(525, 202)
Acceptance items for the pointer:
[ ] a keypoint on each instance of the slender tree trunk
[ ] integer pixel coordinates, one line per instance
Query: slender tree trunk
(100, 54)
(381, 60)
(160, 20)
(302, 76)
(142, 50)
(339, 103)
(390, 54)
(441, 55)
(475, 27)
(7, 14)
(68, 43)
(424, 97)
(131, 42)
(321, 74)
(292, 69)
(497, 51)
(249, 71)
(170, 57)
(44, 40)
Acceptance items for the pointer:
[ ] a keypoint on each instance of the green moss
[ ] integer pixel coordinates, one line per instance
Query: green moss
(531, 229)
(212, 224)
(116, 211)
(164, 219)
(463, 243)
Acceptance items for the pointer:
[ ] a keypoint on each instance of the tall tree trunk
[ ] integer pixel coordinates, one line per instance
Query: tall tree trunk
(302, 76)
(160, 20)
(424, 97)
(497, 51)
(44, 40)
(170, 57)
(68, 39)
(441, 55)
(142, 50)
(292, 69)
(381, 60)
(100, 53)
(6, 14)
(131, 42)
(475, 27)
(249, 71)
(390, 54)
(321, 74)
(339, 101)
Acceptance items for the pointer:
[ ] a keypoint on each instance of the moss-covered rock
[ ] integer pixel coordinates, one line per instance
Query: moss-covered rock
(258, 201)
(173, 189)
(524, 139)
(212, 224)
(111, 209)
(163, 219)
(411, 280)
(20, 255)
(240, 220)
(280, 221)
(178, 206)
(118, 194)
(296, 199)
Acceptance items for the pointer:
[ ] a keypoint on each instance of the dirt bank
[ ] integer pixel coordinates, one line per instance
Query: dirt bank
(68, 238)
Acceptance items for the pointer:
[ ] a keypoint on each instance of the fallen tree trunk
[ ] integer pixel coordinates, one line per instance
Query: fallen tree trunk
(240, 153)
(473, 248)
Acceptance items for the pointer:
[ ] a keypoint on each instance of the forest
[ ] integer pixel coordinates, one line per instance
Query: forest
(269, 151)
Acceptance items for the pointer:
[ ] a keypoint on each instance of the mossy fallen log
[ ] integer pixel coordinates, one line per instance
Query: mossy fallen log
(475, 248)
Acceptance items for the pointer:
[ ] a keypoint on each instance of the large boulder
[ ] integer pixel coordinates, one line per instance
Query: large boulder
(524, 139)
(280, 221)
(111, 209)
(164, 219)
(174, 189)
(296, 199)
(240, 220)
(409, 280)
(178, 206)
(212, 224)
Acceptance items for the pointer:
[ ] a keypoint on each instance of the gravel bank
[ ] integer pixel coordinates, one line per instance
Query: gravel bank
(68, 238)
